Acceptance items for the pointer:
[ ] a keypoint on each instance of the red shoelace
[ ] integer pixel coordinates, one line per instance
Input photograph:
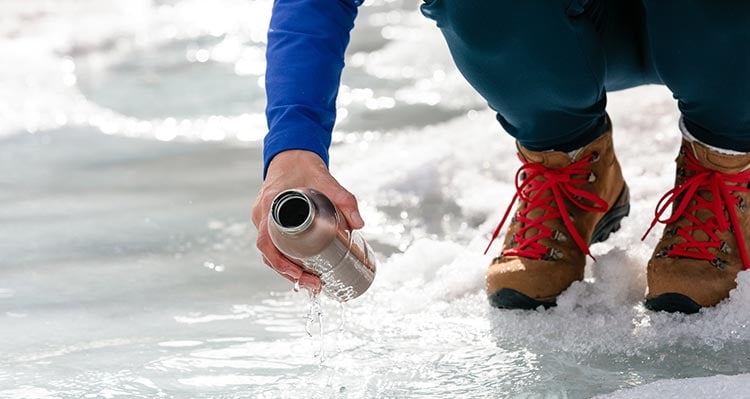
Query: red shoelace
(722, 187)
(549, 193)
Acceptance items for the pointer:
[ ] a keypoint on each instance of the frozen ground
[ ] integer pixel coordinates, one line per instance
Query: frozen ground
(129, 138)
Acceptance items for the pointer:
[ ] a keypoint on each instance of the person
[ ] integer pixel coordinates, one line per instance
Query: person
(545, 67)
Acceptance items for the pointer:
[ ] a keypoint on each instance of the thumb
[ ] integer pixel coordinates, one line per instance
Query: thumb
(346, 202)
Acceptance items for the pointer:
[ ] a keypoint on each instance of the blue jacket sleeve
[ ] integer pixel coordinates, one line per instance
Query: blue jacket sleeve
(305, 55)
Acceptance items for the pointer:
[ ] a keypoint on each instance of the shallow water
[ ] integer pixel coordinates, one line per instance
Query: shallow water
(130, 144)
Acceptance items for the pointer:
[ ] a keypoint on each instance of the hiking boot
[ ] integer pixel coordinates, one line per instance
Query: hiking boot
(565, 203)
(704, 243)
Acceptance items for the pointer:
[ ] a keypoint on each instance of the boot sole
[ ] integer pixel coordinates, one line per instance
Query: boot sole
(672, 303)
(610, 223)
(508, 298)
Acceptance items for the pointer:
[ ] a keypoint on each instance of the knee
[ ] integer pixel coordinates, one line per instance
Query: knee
(489, 26)
(724, 116)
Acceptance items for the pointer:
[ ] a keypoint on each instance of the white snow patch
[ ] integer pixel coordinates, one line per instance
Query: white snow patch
(469, 171)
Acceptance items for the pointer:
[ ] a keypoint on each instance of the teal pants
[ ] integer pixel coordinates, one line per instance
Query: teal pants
(545, 66)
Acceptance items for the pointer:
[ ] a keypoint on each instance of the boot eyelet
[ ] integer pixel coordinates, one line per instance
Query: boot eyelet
(719, 263)
(595, 156)
(725, 248)
(559, 236)
(553, 255)
(664, 252)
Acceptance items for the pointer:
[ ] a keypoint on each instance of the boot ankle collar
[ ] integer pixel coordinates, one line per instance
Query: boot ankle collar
(714, 160)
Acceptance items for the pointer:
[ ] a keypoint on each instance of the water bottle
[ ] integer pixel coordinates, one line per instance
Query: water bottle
(306, 227)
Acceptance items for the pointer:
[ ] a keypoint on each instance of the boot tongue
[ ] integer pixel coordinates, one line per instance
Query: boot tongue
(714, 160)
(549, 159)
(719, 162)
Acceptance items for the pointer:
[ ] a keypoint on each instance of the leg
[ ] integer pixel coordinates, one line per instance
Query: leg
(701, 50)
(541, 65)
(538, 63)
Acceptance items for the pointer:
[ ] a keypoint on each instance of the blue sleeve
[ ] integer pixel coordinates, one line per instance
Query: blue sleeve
(305, 55)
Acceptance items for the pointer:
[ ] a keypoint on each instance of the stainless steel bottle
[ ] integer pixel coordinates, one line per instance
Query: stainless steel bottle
(306, 227)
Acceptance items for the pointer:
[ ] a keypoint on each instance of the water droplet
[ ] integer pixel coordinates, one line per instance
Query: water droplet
(296, 286)
(342, 311)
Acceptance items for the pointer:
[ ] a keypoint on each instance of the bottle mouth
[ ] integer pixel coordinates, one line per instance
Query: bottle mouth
(292, 211)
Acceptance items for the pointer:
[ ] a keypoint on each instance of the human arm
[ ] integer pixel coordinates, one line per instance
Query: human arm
(305, 55)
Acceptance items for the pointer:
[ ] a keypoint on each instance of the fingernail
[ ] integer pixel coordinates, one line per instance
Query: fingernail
(312, 284)
(294, 273)
(357, 219)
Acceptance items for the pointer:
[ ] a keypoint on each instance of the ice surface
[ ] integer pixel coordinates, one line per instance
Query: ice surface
(725, 387)
(127, 264)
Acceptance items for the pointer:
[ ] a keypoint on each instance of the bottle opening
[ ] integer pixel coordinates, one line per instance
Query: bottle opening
(292, 211)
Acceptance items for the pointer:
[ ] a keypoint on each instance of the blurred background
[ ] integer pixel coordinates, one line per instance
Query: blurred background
(130, 151)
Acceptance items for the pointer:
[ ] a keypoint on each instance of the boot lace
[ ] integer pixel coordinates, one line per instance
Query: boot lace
(549, 188)
(722, 187)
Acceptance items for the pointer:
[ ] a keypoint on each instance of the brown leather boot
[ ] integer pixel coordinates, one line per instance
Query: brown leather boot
(564, 206)
(704, 244)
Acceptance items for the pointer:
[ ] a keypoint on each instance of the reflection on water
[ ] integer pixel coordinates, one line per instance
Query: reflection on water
(130, 144)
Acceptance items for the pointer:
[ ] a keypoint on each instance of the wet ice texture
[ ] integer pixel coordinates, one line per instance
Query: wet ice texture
(712, 387)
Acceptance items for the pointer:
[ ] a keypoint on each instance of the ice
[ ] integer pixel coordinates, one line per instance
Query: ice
(720, 387)
(54, 45)
(120, 207)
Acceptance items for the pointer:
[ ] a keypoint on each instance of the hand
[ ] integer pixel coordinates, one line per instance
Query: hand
(298, 169)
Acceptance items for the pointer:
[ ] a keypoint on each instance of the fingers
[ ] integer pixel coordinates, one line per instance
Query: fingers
(257, 210)
(293, 272)
(295, 169)
(283, 266)
(290, 271)
(311, 282)
(274, 258)
(347, 205)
